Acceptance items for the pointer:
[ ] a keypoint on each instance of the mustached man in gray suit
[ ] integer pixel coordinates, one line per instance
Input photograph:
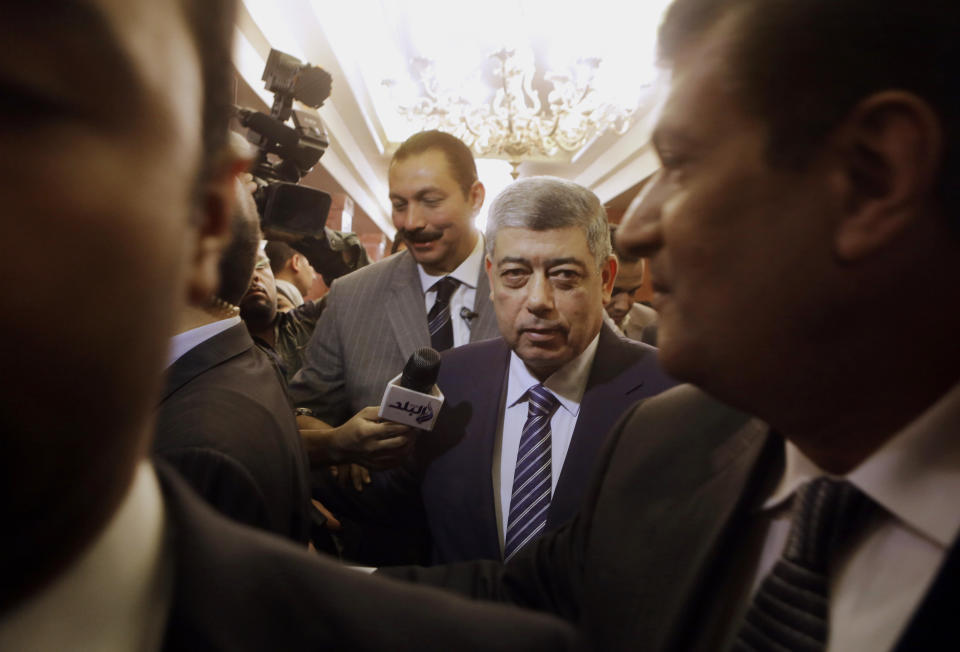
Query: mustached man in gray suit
(376, 317)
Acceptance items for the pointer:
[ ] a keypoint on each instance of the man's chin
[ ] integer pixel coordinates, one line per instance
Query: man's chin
(542, 360)
(257, 310)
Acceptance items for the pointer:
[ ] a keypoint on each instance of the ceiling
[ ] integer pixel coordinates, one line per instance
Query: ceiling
(364, 42)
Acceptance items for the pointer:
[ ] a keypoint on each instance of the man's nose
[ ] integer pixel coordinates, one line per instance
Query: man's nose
(413, 218)
(640, 234)
(539, 295)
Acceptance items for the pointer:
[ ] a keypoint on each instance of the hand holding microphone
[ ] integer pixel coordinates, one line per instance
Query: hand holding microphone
(381, 438)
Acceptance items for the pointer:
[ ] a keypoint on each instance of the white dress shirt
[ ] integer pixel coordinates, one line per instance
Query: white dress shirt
(463, 297)
(115, 595)
(881, 578)
(568, 384)
(183, 342)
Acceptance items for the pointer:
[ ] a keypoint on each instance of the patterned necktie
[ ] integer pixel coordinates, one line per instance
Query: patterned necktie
(530, 499)
(790, 608)
(438, 321)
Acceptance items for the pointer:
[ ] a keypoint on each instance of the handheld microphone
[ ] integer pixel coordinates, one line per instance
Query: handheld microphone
(421, 371)
(412, 397)
(468, 315)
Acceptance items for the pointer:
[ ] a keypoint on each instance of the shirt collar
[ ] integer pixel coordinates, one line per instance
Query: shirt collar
(181, 343)
(290, 291)
(567, 383)
(467, 273)
(915, 475)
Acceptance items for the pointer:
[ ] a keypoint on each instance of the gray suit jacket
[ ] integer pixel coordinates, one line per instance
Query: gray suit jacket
(374, 320)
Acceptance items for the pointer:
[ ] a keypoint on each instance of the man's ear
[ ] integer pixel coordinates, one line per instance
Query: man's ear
(891, 146)
(476, 196)
(213, 229)
(608, 277)
(296, 260)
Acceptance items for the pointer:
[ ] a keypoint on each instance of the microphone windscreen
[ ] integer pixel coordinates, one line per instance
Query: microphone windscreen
(421, 371)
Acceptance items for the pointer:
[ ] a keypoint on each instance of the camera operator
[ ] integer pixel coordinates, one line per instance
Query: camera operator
(282, 335)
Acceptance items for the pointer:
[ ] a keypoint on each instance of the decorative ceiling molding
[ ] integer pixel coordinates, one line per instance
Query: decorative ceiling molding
(361, 42)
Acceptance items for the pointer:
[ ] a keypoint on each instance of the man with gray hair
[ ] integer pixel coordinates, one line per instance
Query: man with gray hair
(539, 400)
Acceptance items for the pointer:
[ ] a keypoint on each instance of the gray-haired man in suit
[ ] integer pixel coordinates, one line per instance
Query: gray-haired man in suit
(434, 293)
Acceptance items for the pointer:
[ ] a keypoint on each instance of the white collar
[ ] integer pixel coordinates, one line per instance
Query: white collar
(291, 291)
(467, 272)
(567, 383)
(115, 595)
(181, 343)
(915, 475)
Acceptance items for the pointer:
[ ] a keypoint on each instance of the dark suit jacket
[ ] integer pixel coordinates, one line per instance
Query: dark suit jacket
(458, 455)
(450, 483)
(237, 589)
(227, 426)
(638, 566)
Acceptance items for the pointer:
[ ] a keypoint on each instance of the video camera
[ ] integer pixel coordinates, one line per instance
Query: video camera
(286, 153)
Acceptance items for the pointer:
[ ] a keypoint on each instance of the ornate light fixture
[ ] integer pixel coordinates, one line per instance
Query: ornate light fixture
(516, 124)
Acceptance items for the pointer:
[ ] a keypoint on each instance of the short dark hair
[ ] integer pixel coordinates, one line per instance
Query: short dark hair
(804, 64)
(279, 253)
(459, 156)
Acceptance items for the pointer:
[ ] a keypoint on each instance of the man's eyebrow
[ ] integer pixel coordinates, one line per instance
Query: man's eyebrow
(567, 260)
(669, 137)
(514, 259)
(550, 262)
(426, 191)
(419, 194)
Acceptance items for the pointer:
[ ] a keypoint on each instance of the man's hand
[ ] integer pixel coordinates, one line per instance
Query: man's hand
(351, 474)
(364, 439)
(333, 523)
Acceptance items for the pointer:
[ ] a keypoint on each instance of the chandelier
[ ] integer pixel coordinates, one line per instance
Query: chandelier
(515, 124)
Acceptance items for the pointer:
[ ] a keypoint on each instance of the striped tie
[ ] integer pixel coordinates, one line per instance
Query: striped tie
(438, 321)
(790, 608)
(530, 499)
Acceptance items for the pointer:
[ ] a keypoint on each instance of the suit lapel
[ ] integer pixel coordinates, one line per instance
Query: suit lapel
(697, 519)
(487, 426)
(405, 307)
(485, 325)
(933, 624)
(608, 393)
(209, 353)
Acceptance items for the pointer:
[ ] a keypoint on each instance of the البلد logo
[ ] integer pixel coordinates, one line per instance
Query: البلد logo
(426, 415)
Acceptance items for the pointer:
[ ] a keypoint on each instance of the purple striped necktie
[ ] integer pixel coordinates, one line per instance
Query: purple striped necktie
(438, 319)
(530, 499)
